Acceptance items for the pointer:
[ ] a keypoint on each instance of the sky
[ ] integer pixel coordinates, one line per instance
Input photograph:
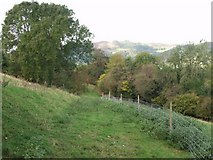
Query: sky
(146, 21)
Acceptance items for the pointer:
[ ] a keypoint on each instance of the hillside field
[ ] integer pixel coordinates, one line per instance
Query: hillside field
(48, 122)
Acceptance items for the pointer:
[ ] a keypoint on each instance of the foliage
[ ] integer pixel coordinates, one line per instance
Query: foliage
(95, 68)
(167, 95)
(191, 65)
(166, 75)
(176, 61)
(186, 70)
(144, 58)
(160, 100)
(116, 60)
(186, 104)
(109, 81)
(41, 40)
(146, 82)
(204, 110)
(126, 88)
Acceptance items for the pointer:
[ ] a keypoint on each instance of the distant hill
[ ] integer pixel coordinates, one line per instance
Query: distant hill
(165, 54)
(128, 48)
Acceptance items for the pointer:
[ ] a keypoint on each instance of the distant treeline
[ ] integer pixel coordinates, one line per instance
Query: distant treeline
(183, 78)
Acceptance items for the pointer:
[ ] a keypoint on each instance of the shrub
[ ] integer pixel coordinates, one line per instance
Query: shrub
(160, 100)
(167, 95)
(186, 104)
(204, 109)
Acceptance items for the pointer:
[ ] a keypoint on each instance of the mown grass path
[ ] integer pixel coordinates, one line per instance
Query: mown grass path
(53, 123)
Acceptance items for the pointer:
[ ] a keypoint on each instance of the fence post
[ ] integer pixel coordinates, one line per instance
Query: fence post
(138, 99)
(121, 97)
(109, 95)
(170, 117)
(102, 95)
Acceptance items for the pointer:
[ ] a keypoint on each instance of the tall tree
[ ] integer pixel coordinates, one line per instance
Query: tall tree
(41, 39)
(111, 79)
(190, 63)
(176, 61)
(146, 82)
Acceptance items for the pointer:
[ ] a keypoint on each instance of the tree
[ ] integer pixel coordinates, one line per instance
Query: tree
(190, 64)
(146, 82)
(111, 79)
(40, 40)
(176, 61)
(116, 60)
(96, 67)
(166, 76)
(144, 58)
(197, 61)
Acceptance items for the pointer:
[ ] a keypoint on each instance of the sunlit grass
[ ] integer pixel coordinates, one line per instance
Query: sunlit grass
(48, 122)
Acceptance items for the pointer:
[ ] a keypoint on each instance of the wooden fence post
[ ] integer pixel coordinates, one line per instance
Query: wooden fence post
(109, 95)
(121, 97)
(170, 117)
(138, 99)
(102, 95)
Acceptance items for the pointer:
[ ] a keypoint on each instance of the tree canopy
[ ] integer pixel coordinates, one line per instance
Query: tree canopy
(184, 78)
(40, 40)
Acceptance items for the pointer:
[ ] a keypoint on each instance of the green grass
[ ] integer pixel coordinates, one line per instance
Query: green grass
(47, 122)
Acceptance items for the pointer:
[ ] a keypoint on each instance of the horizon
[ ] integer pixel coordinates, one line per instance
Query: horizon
(139, 21)
(132, 41)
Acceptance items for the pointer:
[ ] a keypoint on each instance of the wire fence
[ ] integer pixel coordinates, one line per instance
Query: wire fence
(186, 132)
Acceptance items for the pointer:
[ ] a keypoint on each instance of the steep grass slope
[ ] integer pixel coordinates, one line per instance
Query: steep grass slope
(48, 122)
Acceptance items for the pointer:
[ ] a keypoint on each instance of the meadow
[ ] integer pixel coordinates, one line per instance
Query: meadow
(48, 122)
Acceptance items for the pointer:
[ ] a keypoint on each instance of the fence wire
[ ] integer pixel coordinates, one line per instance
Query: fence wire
(186, 132)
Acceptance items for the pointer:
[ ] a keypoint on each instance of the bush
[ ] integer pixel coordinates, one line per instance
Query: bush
(204, 109)
(160, 100)
(167, 95)
(186, 104)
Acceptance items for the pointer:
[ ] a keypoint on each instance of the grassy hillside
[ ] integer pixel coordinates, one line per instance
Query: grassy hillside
(48, 122)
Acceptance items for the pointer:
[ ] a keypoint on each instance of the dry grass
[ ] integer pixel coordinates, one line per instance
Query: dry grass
(19, 82)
